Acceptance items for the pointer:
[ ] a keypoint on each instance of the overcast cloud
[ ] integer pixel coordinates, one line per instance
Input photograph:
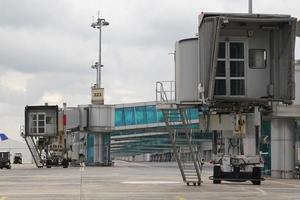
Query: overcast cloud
(48, 46)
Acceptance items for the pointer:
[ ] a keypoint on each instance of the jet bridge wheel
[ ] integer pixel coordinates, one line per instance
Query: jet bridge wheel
(48, 163)
(256, 174)
(65, 163)
(217, 174)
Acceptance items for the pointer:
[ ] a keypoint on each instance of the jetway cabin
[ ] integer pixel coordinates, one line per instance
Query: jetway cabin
(41, 121)
(247, 57)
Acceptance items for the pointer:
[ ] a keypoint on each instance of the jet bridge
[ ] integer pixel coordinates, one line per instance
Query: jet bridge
(233, 71)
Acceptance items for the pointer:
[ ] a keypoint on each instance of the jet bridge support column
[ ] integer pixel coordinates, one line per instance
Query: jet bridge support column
(252, 137)
(98, 145)
(282, 148)
(249, 140)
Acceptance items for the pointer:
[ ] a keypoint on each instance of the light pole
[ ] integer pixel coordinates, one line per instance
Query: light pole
(98, 24)
(250, 6)
(95, 66)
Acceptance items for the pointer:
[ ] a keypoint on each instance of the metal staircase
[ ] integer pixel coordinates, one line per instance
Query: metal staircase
(185, 152)
(34, 151)
(180, 132)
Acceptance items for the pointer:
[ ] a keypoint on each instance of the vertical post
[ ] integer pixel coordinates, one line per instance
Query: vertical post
(99, 63)
(64, 125)
(215, 142)
(97, 78)
(257, 122)
(250, 6)
(257, 139)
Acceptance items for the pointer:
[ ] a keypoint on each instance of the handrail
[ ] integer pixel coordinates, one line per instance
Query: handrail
(164, 95)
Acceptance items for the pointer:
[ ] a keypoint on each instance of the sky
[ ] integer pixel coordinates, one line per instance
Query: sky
(48, 46)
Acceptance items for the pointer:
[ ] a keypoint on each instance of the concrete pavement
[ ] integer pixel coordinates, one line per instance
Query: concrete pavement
(137, 181)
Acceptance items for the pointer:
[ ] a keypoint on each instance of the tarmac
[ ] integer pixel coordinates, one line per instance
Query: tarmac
(131, 180)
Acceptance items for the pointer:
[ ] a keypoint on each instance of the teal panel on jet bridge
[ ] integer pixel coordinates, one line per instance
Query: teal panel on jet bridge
(90, 148)
(265, 146)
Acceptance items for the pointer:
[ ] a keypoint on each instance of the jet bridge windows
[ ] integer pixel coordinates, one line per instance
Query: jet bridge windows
(41, 120)
(230, 72)
(38, 123)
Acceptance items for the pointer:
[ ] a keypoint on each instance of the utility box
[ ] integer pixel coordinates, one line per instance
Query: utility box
(247, 56)
(41, 121)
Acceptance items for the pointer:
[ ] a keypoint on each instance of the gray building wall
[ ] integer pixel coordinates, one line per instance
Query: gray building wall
(297, 83)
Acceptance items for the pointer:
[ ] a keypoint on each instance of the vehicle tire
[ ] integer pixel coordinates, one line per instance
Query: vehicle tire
(217, 174)
(256, 174)
(8, 167)
(256, 182)
(48, 163)
(65, 163)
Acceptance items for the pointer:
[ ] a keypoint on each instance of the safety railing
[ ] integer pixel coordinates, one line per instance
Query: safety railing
(165, 92)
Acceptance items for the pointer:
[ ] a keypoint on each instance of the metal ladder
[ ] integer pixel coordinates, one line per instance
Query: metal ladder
(178, 125)
(34, 151)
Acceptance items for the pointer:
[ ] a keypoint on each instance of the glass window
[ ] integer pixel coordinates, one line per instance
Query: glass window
(221, 69)
(90, 148)
(49, 120)
(193, 113)
(220, 87)
(221, 50)
(237, 87)
(236, 68)
(33, 130)
(237, 50)
(230, 72)
(151, 114)
(119, 117)
(41, 123)
(257, 58)
(41, 117)
(175, 116)
(140, 115)
(37, 125)
(41, 130)
(160, 116)
(129, 116)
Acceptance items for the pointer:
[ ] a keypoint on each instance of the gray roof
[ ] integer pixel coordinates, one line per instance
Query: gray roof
(248, 17)
(245, 15)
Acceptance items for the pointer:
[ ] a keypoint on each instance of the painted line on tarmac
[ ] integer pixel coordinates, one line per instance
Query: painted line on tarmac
(281, 188)
(129, 164)
(264, 193)
(288, 184)
(3, 198)
(150, 182)
(180, 197)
